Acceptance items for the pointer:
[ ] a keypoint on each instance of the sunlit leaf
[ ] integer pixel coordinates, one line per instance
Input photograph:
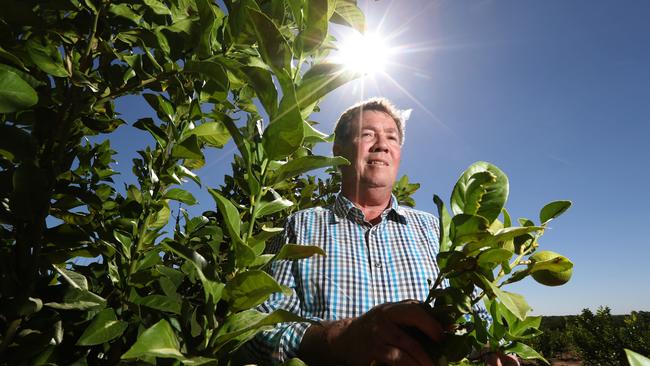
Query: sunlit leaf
(285, 132)
(316, 21)
(636, 359)
(468, 197)
(157, 341)
(525, 352)
(249, 289)
(347, 13)
(158, 7)
(444, 223)
(320, 80)
(180, 195)
(103, 328)
(553, 210)
(188, 149)
(228, 211)
(213, 133)
(297, 251)
(304, 164)
(243, 326)
(273, 47)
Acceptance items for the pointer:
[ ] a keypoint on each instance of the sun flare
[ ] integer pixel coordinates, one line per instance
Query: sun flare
(366, 53)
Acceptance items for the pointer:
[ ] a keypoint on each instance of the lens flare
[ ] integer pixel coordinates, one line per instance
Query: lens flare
(363, 53)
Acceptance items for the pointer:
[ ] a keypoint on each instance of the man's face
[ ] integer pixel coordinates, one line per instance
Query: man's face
(374, 151)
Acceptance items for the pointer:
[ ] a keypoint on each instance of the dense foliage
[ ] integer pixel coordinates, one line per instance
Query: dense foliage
(250, 71)
(598, 338)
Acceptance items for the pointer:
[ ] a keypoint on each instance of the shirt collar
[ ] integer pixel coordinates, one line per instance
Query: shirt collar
(344, 208)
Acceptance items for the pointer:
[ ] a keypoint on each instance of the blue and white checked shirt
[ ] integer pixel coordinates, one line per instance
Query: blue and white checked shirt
(365, 266)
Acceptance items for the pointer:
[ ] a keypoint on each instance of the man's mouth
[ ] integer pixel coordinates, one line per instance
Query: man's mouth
(377, 162)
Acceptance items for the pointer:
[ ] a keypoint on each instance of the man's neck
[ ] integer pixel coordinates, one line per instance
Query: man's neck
(371, 201)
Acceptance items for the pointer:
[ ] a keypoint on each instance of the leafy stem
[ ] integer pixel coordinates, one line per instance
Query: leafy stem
(255, 200)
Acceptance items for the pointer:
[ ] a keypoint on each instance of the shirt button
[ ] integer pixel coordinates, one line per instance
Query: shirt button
(378, 264)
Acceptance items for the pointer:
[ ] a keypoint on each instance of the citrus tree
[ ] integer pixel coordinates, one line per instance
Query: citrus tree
(480, 251)
(88, 273)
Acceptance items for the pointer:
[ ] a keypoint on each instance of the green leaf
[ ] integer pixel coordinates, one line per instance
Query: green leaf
(304, 164)
(212, 133)
(211, 70)
(285, 132)
(513, 302)
(249, 289)
(526, 352)
(210, 18)
(294, 362)
(298, 251)
(147, 124)
(318, 81)
(74, 279)
(347, 13)
(160, 218)
(636, 359)
(11, 58)
(273, 47)
(270, 207)
(316, 22)
(229, 212)
(79, 299)
(468, 195)
(180, 195)
(243, 326)
(467, 228)
(47, 57)
(188, 149)
(163, 107)
(158, 7)
(444, 223)
(212, 289)
(103, 328)
(262, 81)
(494, 255)
(526, 327)
(124, 11)
(553, 210)
(160, 302)
(507, 221)
(157, 341)
(556, 264)
(15, 93)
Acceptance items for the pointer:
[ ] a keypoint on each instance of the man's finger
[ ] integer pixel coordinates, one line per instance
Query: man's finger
(392, 356)
(415, 315)
(395, 336)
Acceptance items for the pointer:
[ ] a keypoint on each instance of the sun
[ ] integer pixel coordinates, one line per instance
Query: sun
(366, 53)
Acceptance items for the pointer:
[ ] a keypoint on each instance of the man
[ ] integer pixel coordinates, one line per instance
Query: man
(380, 260)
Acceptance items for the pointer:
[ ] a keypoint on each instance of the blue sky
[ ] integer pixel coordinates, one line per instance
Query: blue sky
(555, 93)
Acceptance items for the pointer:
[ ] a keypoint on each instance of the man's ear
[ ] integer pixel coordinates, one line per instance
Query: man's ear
(336, 149)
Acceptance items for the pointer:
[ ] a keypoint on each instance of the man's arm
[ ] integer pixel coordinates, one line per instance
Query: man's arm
(377, 337)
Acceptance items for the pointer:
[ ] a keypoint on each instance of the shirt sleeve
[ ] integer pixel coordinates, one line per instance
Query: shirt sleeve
(281, 343)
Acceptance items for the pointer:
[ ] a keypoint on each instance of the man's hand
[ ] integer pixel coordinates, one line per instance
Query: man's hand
(377, 337)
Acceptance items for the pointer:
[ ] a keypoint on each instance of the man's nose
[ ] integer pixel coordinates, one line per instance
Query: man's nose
(381, 144)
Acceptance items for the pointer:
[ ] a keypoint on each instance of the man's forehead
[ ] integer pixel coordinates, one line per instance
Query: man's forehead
(369, 119)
